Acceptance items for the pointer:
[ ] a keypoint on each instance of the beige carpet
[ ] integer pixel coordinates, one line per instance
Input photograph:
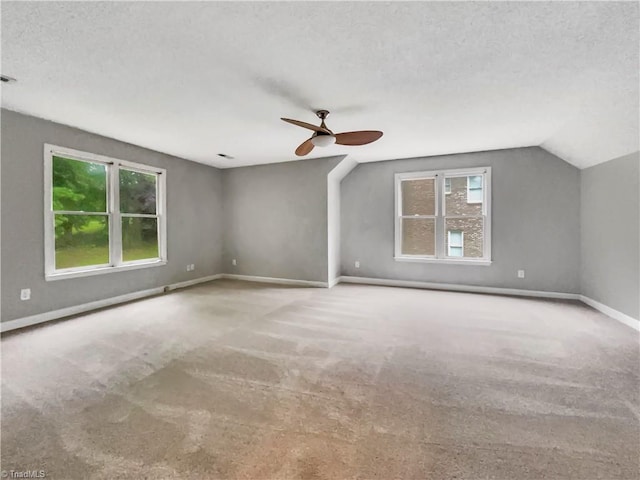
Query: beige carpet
(249, 381)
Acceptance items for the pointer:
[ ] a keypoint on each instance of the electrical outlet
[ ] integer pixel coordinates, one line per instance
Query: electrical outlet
(25, 294)
(357, 263)
(520, 273)
(234, 262)
(188, 268)
(193, 267)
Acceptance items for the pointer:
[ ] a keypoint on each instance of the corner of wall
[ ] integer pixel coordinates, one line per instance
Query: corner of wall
(334, 177)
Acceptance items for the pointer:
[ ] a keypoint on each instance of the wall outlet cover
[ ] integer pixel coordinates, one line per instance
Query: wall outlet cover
(520, 273)
(25, 294)
(357, 263)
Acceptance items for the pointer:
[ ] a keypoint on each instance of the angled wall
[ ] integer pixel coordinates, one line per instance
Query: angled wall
(610, 234)
(334, 180)
(194, 219)
(535, 223)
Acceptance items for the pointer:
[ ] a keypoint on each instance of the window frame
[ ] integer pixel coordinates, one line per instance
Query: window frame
(113, 214)
(440, 216)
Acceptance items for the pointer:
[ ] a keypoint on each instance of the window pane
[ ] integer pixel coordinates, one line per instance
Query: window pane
(473, 233)
(137, 192)
(475, 181)
(455, 238)
(455, 251)
(79, 186)
(139, 238)
(419, 197)
(457, 202)
(474, 196)
(418, 236)
(81, 240)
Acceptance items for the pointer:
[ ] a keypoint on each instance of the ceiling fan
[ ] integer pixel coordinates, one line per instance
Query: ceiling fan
(323, 137)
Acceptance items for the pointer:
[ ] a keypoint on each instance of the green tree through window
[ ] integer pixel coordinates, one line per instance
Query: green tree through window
(81, 216)
(89, 230)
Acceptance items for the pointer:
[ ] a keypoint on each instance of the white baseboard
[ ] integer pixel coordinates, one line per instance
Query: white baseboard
(457, 288)
(86, 307)
(280, 281)
(195, 281)
(107, 302)
(611, 312)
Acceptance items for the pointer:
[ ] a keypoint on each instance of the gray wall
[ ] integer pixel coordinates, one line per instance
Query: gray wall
(276, 219)
(194, 219)
(610, 233)
(305, 220)
(535, 223)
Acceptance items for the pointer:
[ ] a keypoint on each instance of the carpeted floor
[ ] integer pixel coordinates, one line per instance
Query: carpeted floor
(249, 381)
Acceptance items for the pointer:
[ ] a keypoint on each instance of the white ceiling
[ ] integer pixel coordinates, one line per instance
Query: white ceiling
(197, 79)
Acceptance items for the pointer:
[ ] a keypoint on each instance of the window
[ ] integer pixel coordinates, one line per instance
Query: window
(447, 186)
(474, 189)
(444, 216)
(101, 214)
(455, 243)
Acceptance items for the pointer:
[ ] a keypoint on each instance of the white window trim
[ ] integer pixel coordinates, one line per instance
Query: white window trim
(440, 256)
(113, 212)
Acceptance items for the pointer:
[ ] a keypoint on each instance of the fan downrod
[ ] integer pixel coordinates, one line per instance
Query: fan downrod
(322, 114)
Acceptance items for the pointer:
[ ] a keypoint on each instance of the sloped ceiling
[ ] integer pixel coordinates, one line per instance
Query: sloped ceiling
(197, 79)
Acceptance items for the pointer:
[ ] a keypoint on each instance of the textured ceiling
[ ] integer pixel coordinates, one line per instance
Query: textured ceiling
(197, 79)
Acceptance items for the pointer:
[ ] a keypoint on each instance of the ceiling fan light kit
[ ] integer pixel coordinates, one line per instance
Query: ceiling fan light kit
(323, 137)
(323, 140)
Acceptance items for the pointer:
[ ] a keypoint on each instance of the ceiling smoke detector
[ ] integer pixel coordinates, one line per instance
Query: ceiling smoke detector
(6, 79)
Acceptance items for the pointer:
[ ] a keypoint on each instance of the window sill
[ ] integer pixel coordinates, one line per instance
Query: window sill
(101, 270)
(443, 261)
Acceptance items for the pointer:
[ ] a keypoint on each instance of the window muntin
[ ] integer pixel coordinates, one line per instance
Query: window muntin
(459, 226)
(101, 214)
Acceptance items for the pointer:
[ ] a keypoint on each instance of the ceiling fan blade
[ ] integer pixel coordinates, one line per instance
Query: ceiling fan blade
(315, 128)
(304, 148)
(358, 138)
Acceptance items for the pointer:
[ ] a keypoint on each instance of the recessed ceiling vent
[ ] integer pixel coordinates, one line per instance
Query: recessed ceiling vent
(6, 79)
(224, 155)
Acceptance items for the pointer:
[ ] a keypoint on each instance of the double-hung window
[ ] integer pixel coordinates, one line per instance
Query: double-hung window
(101, 214)
(444, 216)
